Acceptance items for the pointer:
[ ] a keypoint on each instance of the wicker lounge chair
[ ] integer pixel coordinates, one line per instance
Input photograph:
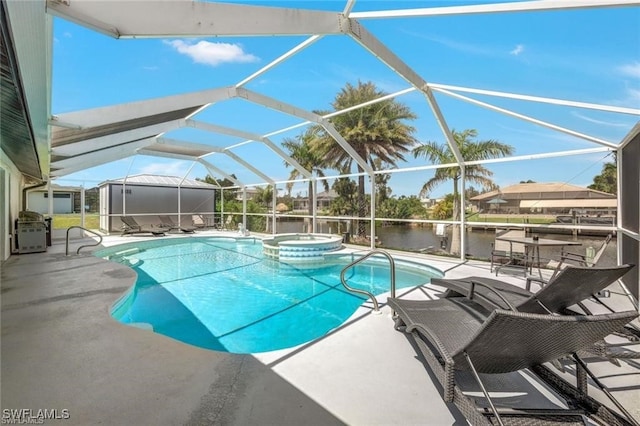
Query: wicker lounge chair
(167, 223)
(130, 226)
(582, 260)
(572, 286)
(460, 341)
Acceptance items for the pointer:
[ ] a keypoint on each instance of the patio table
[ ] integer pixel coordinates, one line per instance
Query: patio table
(532, 249)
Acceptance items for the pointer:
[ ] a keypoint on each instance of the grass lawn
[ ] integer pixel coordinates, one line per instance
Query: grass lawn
(64, 221)
(509, 219)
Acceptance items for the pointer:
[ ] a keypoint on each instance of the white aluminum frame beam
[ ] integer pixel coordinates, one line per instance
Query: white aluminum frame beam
(189, 145)
(308, 42)
(211, 150)
(385, 55)
(629, 136)
(102, 142)
(103, 156)
(173, 155)
(160, 19)
(305, 115)
(239, 160)
(524, 6)
(529, 119)
(544, 100)
(217, 170)
(251, 137)
(348, 7)
(556, 154)
(132, 110)
(98, 158)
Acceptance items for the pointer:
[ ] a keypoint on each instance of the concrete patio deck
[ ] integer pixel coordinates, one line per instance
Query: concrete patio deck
(61, 350)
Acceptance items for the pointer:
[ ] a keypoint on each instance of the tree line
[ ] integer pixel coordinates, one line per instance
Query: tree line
(381, 134)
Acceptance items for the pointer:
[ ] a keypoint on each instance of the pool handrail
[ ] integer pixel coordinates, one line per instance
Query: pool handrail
(392, 272)
(83, 246)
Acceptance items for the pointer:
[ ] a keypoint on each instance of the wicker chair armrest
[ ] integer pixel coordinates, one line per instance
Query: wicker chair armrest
(537, 279)
(493, 290)
(573, 256)
(542, 281)
(434, 340)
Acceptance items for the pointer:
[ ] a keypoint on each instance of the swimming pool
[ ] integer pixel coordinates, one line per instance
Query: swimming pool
(225, 294)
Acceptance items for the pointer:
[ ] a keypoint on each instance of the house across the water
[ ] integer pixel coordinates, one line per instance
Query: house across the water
(558, 199)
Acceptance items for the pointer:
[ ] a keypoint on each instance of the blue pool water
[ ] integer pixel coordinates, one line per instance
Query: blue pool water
(223, 294)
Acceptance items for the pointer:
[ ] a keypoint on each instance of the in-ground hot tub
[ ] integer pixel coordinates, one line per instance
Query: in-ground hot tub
(300, 246)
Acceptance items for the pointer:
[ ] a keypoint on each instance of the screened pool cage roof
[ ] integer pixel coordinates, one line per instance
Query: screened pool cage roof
(93, 137)
(155, 180)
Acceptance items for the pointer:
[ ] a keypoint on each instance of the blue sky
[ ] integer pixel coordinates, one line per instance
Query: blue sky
(590, 55)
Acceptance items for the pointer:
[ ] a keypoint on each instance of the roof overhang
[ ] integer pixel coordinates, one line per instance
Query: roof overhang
(25, 69)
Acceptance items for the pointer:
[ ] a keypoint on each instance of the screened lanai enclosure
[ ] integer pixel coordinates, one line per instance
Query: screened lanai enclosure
(227, 93)
(146, 197)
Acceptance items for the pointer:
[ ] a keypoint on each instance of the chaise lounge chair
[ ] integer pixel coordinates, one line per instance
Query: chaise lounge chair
(464, 344)
(571, 286)
(130, 226)
(167, 223)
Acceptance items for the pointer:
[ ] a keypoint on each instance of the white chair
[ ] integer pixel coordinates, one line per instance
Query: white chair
(579, 259)
(198, 221)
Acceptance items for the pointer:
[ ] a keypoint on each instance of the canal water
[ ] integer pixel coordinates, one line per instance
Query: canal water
(479, 241)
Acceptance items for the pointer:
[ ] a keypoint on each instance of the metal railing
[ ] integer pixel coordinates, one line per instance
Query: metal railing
(83, 246)
(392, 273)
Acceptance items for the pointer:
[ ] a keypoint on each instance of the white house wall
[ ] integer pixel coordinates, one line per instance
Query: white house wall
(11, 194)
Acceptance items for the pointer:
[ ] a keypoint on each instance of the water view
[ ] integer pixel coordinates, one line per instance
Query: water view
(410, 238)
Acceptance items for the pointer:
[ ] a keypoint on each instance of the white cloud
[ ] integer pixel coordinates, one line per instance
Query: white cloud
(517, 50)
(213, 54)
(631, 70)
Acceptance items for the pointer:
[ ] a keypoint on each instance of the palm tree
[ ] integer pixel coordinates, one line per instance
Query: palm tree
(263, 198)
(264, 195)
(376, 131)
(300, 149)
(471, 151)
